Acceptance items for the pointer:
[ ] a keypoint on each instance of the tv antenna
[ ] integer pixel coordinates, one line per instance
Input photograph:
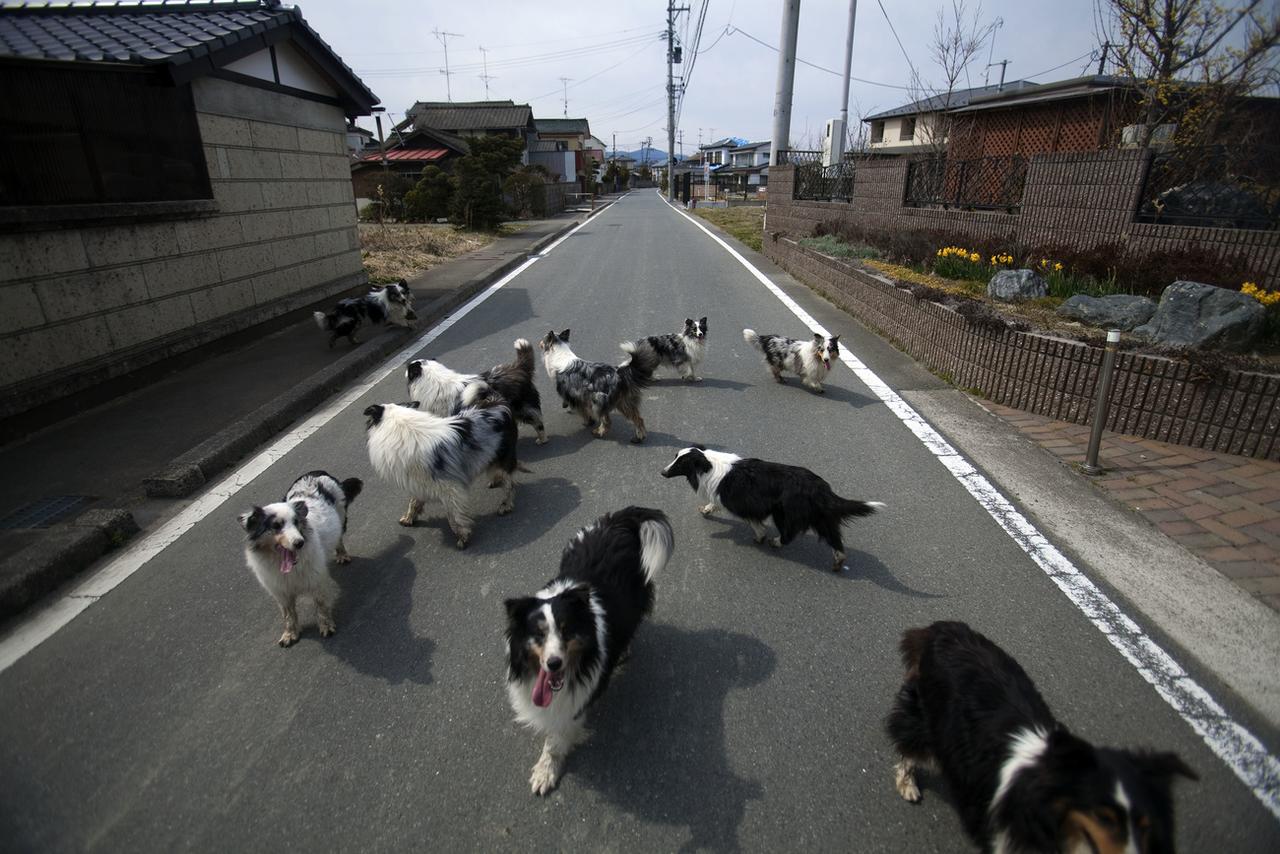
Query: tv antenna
(443, 38)
(564, 81)
(486, 76)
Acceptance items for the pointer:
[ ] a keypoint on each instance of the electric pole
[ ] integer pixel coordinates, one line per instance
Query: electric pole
(564, 81)
(786, 80)
(1102, 60)
(848, 68)
(484, 56)
(443, 38)
(672, 11)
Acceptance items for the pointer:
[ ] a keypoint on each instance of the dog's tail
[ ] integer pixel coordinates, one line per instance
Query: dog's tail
(750, 336)
(656, 542)
(351, 487)
(637, 370)
(848, 508)
(524, 356)
(322, 320)
(478, 394)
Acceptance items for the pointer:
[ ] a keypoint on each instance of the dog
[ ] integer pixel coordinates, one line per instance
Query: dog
(445, 392)
(433, 457)
(391, 304)
(682, 351)
(564, 642)
(811, 360)
(290, 542)
(1019, 779)
(794, 498)
(594, 389)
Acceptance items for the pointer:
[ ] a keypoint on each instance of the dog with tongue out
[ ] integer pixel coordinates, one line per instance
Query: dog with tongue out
(564, 641)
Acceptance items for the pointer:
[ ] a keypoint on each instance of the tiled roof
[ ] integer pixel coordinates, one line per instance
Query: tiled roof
(182, 35)
(470, 115)
(409, 154)
(563, 126)
(948, 100)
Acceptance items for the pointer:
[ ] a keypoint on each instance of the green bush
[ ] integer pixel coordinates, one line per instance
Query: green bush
(830, 245)
(526, 191)
(430, 197)
(477, 198)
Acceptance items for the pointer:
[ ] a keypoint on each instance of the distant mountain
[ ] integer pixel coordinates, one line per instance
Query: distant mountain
(655, 155)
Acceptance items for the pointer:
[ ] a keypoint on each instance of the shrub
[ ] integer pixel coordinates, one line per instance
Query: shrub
(526, 191)
(836, 248)
(430, 197)
(477, 198)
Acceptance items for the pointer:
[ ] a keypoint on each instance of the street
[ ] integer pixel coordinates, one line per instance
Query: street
(750, 714)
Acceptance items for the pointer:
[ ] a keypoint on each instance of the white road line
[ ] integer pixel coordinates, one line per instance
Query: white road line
(1236, 746)
(40, 626)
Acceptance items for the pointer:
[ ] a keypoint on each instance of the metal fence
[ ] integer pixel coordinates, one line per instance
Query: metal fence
(982, 183)
(795, 157)
(815, 182)
(1216, 186)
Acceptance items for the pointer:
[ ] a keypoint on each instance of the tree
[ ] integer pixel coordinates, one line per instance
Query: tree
(526, 191)
(430, 198)
(478, 177)
(1191, 60)
(958, 39)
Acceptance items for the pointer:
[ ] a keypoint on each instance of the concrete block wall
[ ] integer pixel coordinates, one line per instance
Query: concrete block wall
(81, 304)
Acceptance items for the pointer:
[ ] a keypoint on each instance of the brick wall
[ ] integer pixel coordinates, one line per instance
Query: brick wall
(1235, 412)
(1082, 199)
(82, 304)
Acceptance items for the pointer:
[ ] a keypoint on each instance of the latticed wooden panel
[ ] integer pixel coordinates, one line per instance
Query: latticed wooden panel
(1038, 126)
(1081, 125)
(1001, 133)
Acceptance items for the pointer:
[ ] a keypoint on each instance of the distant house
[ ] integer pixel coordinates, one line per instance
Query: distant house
(168, 175)
(914, 128)
(359, 140)
(405, 156)
(561, 147)
(748, 168)
(474, 118)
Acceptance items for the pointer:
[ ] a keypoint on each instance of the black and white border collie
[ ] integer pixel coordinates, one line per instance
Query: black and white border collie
(433, 457)
(595, 389)
(391, 304)
(811, 360)
(442, 391)
(290, 542)
(1019, 779)
(793, 498)
(683, 351)
(564, 642)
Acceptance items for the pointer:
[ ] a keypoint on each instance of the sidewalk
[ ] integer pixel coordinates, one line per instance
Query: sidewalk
(1223, 508)
(140, 453)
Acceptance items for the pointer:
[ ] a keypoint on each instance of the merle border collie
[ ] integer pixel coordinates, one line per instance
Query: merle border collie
(793, 498)
(391, 304)
(433, 457)
(684, 350)
(811, 360)
(595, 389)
(290, 542)
(565, 641)
(1019, 779)
(442, 391)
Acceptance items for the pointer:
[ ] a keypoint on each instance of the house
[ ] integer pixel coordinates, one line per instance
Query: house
(405, 156)
(359, 140)
(562, 148)
(168, 175)
(474, 118)
(748, 168)
(915, 128)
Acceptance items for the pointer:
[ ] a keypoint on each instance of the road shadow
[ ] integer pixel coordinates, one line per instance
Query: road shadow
(705, 382)
(578, 437)
(374, 633)
(657, 749)
(541, 502)
(506, 307)
(862, 566)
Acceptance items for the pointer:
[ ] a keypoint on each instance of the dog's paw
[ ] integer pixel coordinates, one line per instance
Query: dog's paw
(342, 558)
(327, 630)
(288, 638)
(545, 776)
(505, 508)
(541, 440)
(407, 520)
(708, 509)
(637, 440)
(905, 782)
(776, 542)
(599, 432)
(463, 539)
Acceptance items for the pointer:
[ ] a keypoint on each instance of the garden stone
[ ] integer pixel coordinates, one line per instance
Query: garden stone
(1013, 285)
(1117, 311)
(1196, 316)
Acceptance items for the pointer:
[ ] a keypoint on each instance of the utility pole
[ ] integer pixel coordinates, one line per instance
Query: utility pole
(443, 38)
(848, 68)
(681, 133)
(564, 81)
(1102, 60)
(672, 11)
(786, 79)
(484, 56)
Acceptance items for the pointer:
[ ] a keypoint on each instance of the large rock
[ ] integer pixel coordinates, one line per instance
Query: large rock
(1198, 316)
(1118, 311)
(1014, 285)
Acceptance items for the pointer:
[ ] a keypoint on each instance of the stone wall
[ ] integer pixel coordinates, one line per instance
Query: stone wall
(80, 304)
(1235, 412)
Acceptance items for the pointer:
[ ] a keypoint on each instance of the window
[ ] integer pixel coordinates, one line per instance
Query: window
(877, 131)
(83, 136)
(907, 130)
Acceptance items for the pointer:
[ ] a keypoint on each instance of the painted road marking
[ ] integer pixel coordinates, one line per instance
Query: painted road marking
(1235, 745)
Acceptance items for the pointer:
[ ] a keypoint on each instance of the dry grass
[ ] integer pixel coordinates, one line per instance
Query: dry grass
(745, 223)
(402, 251)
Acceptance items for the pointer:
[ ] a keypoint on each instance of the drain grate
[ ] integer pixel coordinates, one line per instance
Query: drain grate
(46, 511)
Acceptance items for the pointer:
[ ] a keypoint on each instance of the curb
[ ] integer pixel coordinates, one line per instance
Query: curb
(193, 469)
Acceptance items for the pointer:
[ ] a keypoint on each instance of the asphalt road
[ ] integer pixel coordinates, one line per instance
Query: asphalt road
(750, 715)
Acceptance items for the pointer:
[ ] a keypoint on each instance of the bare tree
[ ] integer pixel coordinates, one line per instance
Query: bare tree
(959, 36)
(1192, 60)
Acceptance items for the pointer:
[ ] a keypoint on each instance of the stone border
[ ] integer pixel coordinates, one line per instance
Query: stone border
(1235, 412)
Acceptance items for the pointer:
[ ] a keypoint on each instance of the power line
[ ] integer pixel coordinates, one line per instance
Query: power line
(590, 77)
(1084, 56)
(491, 47)
(737, 30)
(553, 56)
(915, 75)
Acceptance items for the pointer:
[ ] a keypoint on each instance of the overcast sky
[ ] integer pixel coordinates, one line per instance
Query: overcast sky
(616, 62)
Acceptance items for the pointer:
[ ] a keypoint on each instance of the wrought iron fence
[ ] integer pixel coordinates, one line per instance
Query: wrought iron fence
(1216, 186)
(982, 183)
(815, 182)
(795, 157)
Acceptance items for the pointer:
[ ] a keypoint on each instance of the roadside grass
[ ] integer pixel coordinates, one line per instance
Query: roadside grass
(392, 252)
(745, 223)
(829, 244)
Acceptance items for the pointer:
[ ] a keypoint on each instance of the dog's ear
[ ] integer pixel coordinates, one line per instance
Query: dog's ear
(300, 510)
(413, 370)
(412, 404)
(699, 447)
(564, 336)
(818, 339)
(703, 321)
(519, 607)
(1161, 767)
(579, 596)
(835, 339)
(688, 321)
(253, 521)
